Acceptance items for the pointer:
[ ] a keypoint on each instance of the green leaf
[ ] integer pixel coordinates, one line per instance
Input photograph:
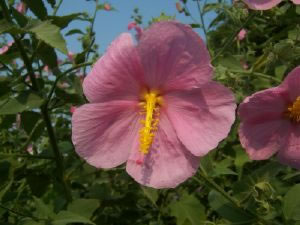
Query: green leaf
(25, 101)
(37, 7)
(47, 55)
(42, 210)
(52, 3)
(66, 217)
(6, 27)
(74, 31)
(50, 34)
(151, 194)
(63, 21)
(38, 183)
(188, 210)
(84, 207)
(291, 203)
(225, 209)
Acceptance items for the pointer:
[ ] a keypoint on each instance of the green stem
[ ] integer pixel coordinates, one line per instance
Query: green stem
(44, 110)
(202, 21)
(249, 72)
(91, 34)
(57, 7)
(19, 214)
(62, 75)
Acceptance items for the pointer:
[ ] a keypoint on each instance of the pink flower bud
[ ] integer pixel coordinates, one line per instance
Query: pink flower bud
(242, 34)
(107, 7)
(21, 7)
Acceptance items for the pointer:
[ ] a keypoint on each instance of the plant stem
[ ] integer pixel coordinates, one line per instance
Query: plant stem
(256, 74)
(44, 110)
(57, 7)
(202, 21)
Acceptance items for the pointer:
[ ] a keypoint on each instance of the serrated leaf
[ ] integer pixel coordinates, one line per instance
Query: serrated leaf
(291, 203)
(37, 7)
(50, 34)
(66, 217)
(188, 210)
(225, 209)
(151, 194)
(24, 101)
(42, 210)
(84, 207)
(63, 21)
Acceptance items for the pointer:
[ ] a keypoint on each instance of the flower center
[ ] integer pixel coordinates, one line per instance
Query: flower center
(293, 110)
(150, 104)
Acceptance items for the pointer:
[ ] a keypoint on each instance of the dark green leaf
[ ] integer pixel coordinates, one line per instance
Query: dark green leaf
(63, 21)
(21, 19)
(151, 194)
(291, 203)
(24, 101)
(188, 210)
(50, 34)
(66, 217)
(84, 207)
(37, 7)
(74, 31)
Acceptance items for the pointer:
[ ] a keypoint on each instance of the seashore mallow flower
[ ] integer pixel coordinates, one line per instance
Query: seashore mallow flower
(270, 122)
(265, 4)
(154, 106)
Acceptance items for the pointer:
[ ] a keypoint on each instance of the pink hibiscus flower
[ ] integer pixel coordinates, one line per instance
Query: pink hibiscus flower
(265, 4)
(153, 105)
(270, 122)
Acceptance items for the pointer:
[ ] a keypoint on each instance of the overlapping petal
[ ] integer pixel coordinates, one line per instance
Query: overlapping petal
(290, 154)
(168, 163)
(173, 57)
(292, 83)
(104, 133)
(202, 117)
(262, 4)
(117, 74)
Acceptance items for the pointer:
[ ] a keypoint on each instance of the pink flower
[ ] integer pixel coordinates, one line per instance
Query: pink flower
(242, 34)
(107, 7)
(137, 28)
(30, 149)
(265, 4)
(270, 122)
(21, 7)
(5, 48)
(153, 105)
(71, 56)
(72, 109)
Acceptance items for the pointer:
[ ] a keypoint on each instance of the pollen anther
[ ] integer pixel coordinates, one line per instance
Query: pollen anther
(151, 102)
(293, 111)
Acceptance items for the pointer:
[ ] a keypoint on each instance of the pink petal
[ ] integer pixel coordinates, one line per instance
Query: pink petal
(263, 126)
(104, 133)
(262, 4)
(174, 57)
(117, 74)
(167, 164)
(297, 2)
(292, 83)
(242, 34)
(263, 105)
(290, 154)
(264, 139)
(202, 117)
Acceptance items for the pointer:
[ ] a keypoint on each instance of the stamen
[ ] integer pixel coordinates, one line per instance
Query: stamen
(293, 111)
(151, 106)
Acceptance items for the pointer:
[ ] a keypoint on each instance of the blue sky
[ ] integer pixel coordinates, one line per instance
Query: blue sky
(109, 24)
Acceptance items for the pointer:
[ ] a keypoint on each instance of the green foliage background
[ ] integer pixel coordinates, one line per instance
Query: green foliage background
(52, 185)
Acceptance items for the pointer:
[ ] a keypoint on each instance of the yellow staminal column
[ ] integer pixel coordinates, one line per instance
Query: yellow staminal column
(293, 110)
(151, 102)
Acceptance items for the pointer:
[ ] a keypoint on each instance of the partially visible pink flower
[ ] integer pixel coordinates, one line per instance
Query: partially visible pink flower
(245, 66)
(179, 7)
(21, 7)
(5, 48)
(71, 56)
(138, 29)
(107, 7)
(153, 105)
(242, 34)
(72, 109)
(265, 4)
(270, 122)
(30, 149)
